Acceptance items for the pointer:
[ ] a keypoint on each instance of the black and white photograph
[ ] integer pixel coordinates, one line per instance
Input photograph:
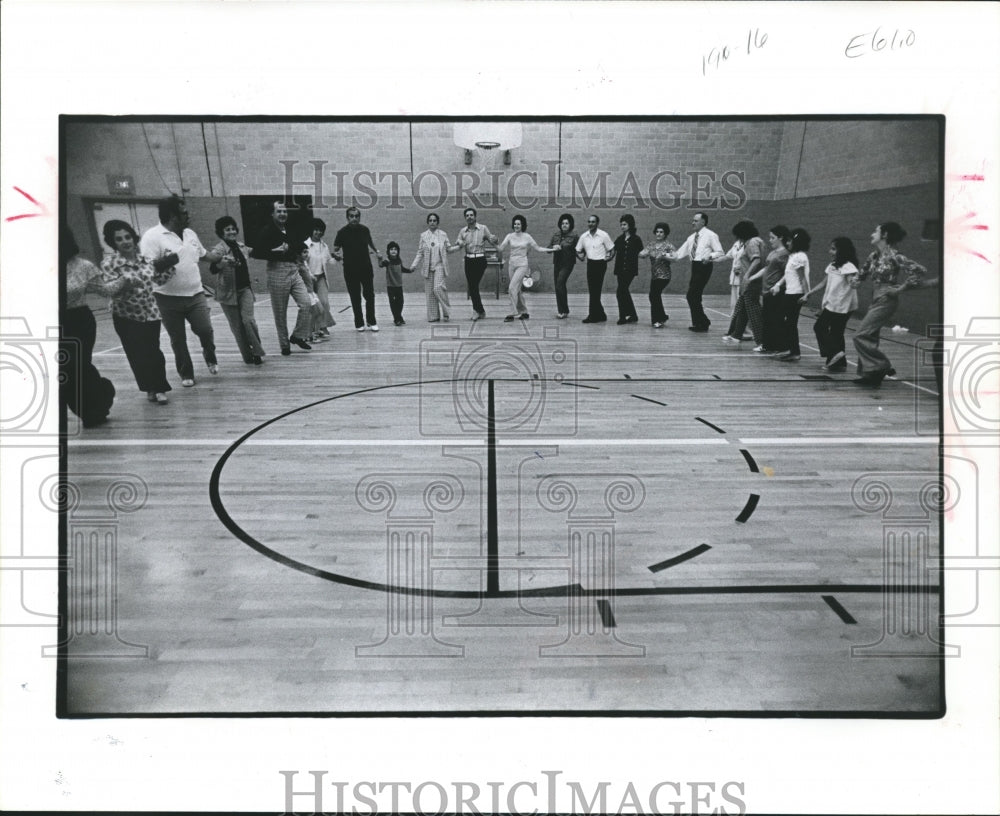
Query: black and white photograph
(440, 446)
(385, 432)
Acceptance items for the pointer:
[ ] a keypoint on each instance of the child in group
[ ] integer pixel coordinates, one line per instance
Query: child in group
(394, 270)
(318, 257)
(840, 298)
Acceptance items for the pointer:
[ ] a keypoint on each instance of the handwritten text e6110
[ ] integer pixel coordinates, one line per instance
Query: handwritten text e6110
(872, 42)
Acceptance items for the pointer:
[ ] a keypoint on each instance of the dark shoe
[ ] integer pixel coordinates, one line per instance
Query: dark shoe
(698, 329)
(257, 361)
(302, 344)
(510, 318)
(285, 352)
(870, 380)
(595, 319)
(621, 321)
(631, 318)
(842, 366)
(523, 316)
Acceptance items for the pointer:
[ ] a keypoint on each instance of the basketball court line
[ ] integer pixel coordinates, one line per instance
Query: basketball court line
(787, 441)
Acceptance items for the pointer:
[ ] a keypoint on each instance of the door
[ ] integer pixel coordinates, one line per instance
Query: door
(140, 215)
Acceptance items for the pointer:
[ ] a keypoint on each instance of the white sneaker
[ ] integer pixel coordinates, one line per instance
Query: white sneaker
(361, 328)
(374, 327)
(187, 383)
(730, 341)
(657, 325)
(213, 369)
(161, 398)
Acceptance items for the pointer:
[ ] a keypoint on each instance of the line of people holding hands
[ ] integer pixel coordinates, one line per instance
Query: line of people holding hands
(157, 278)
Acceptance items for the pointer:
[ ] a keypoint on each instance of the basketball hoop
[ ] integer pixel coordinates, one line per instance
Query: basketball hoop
(488, 141)
(489, 156)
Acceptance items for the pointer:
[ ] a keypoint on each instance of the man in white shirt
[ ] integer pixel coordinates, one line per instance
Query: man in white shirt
(172, 244)
(596, 248)
(703, 247)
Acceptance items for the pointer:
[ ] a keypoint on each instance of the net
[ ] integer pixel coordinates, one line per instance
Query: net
(488, 154)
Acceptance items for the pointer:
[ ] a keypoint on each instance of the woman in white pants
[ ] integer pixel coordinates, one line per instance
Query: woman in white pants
(431, 261)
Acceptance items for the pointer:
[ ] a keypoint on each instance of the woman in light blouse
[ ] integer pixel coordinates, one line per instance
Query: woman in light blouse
(793, 287)
(134, 311)
(517, 243)
(659, 253)
(431, 261)
(88, 394)
(840, 298)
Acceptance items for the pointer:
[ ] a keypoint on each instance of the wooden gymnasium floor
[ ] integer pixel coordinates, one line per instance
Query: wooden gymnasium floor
(658, 523)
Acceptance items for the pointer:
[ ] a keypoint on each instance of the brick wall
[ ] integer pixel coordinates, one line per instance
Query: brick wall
(851, 176)
(828, 157)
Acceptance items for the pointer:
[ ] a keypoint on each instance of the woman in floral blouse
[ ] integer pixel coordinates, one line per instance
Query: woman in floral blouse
(892, 274)
(133, 309)
(659, 253)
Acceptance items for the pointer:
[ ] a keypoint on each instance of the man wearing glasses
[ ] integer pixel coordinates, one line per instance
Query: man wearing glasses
(596, 248)
(703, 247)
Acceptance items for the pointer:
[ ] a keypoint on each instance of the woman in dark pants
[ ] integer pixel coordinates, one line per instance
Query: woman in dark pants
(839, 300)
(134, 311)
(793, 287)
(88, 394)
(659, 253)
(628, 245)
(563, 261)
(770, 310)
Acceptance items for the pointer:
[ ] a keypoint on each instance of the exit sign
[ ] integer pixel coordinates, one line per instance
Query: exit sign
(121, 185)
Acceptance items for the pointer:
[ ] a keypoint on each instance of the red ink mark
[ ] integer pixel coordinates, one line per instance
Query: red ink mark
(978, 255)
(30, 198)
(972, 178)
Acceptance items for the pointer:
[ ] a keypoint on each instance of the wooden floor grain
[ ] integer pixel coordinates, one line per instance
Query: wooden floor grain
(364, 463)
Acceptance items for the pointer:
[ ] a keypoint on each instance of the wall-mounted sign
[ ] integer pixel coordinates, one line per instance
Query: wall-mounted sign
(121, 185)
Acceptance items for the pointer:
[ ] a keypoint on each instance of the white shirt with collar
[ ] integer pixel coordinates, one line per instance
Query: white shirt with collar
(596, 245)
(186, 280)
(708, 245)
